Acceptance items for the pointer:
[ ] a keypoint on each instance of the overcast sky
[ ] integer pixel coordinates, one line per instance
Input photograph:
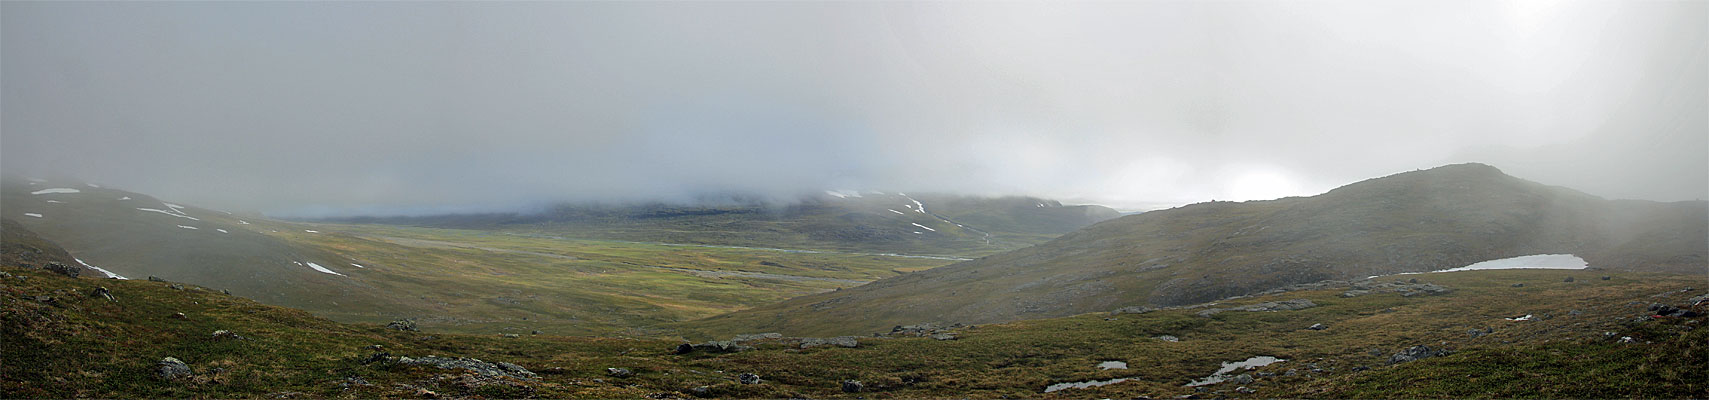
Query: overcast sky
(294, 107)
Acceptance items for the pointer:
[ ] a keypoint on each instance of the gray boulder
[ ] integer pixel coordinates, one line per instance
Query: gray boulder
(1317, 327)
(853, 386)
(1168, 338)
(103, 293)
(1242, 379)
(748, 379)
(619, 372)
(170, 368)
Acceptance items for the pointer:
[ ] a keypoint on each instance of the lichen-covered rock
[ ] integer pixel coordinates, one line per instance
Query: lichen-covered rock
(840, 341)
(473, 365)
(1415, 353)
(1284, 305)
(225, 334)
(62, 269)
(720, 346)
(403, 325)
(748, 337)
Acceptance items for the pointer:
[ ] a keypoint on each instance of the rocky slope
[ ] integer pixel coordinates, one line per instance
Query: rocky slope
(1637, 334)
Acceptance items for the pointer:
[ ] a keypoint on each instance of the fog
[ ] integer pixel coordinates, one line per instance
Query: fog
(328, 108)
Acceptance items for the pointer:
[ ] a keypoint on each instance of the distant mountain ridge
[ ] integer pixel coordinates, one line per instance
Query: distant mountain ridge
(842, 220)
(1417, 221)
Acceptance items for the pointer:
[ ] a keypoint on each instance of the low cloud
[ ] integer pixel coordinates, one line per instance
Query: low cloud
(374, 107)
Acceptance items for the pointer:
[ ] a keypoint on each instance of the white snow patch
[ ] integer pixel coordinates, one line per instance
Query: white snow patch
(311, 231)
(242, 222)
(1221, 374)
(298, 262)
(1527, 317)
(110, 274)
(923, 226)
(894, 211)
(1540, 261)
(174, 206)
(358, 265)
(32, 215)
(222, 230)
(918, 233)
(125, 198)
(317, 267)
(1041, 205)
(839, 195)
(55, 201)
(188, 227)
(169, 213)
(93, 185)
(918, 207)
(56, 190)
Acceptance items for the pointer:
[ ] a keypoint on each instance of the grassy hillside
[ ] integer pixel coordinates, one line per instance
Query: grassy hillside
(63, 342)
(138, 236)
(1417, 221)
(851, 222)
(455, 280)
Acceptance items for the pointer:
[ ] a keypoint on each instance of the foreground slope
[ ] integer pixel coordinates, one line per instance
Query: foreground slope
(1587, 338)
(1418, 221)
